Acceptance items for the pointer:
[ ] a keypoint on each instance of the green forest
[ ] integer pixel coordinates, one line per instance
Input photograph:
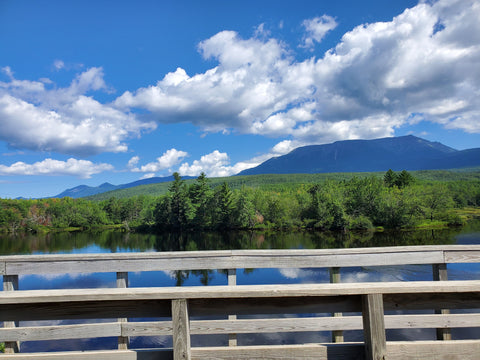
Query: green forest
(393, 200)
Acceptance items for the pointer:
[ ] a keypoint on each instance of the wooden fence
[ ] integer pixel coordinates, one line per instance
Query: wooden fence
(186, 307)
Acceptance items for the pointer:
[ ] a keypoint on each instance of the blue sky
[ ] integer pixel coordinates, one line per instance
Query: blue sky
(97, 91)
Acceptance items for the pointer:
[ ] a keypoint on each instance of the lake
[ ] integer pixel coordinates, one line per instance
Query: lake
(112, 241)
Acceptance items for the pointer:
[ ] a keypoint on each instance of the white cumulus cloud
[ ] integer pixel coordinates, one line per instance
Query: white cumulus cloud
(64, 120)
(72, 167)
(166, 161)
(316, 29)
(217, 164)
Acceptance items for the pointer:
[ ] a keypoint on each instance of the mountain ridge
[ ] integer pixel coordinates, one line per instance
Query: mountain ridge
(85, 190)
(397, 153)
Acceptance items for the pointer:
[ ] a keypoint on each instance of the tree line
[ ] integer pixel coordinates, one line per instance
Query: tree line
(397, 200)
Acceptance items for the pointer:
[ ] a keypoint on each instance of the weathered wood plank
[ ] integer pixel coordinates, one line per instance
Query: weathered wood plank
(374, 327)
(462, 256)
(132, 265)
(147, 328)
(432, 321)
(181, 330)
(225, 259)
(365, 250)
(232, 281)
(227, 253)
(151, 354)
(243, 291)
(34, 333)
(122, 283)
(282, 352)
(440, 273)
(335, 277)
(243, 326)
(338, 260)
(434, 350)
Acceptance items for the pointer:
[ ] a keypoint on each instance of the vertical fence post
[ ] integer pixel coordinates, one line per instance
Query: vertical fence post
(374, 327)
(10, 283)
(181, 330)
(440, 274)
(232, 281)
(337, 335)
(122, 282)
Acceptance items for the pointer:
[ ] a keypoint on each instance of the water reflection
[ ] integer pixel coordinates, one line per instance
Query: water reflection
(116, 241)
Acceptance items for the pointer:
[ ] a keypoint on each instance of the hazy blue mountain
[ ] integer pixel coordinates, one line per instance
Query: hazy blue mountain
(396, 153)
(85, 190)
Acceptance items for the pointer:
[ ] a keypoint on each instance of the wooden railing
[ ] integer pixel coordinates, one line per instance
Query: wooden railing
(183, 305)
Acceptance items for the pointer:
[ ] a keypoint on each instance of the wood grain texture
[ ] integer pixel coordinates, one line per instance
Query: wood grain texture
(374, 327)
(181, 330)
(147, 328)
(34, 333)
(228, 259)
(232, 281)
(243, 326)
(282, 352)
(462, 256)
(434, 350)
(440, 273)
(242, 291)
(335, 277)
(122, 283)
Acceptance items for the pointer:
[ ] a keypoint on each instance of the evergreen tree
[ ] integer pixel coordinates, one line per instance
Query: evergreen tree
(404, 179)
(200, 196)
(181, 209)
(244, 212)
(390, 178)
(225, 206)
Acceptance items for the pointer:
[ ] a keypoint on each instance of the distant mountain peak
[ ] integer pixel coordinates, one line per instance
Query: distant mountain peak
(106, 184)
(407, 152)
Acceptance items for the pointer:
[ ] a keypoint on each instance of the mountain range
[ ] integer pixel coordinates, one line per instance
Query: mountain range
(396, 153)
(85, 190)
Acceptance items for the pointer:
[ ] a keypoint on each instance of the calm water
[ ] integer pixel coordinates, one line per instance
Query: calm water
(107, 242)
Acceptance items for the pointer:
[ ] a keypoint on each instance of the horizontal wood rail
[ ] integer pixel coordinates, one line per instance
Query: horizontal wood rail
(182, 303)
(238, 259)
(315, 301)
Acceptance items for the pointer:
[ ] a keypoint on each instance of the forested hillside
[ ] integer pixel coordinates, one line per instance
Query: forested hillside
(280, 182)
(393, 200)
